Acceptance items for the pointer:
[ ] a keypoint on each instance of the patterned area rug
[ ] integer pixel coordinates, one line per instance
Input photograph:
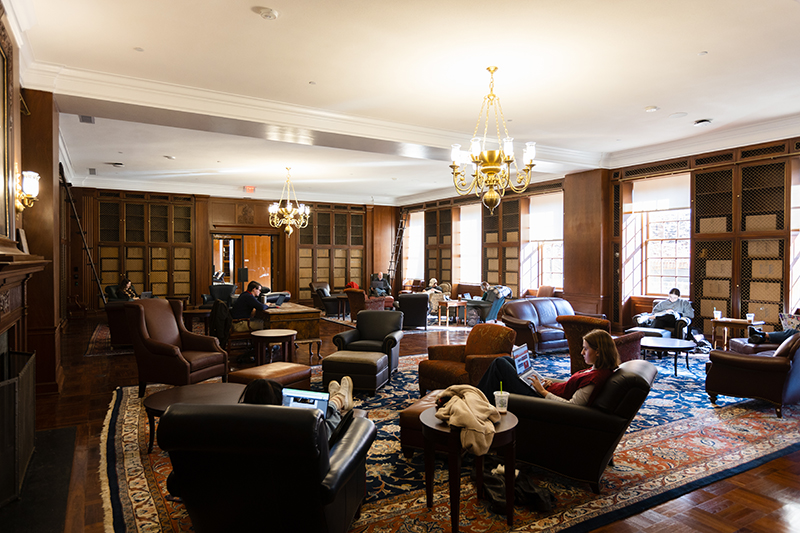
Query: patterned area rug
(100, 344)
(678, 443)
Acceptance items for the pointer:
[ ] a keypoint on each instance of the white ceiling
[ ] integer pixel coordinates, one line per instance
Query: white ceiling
(363, 98)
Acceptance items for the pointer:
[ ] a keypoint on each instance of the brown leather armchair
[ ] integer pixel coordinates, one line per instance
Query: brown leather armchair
(465, 364)
(578, 441)
(772, 376)
(166, 352)
(359, 302)
(575, 327)
(233, 474)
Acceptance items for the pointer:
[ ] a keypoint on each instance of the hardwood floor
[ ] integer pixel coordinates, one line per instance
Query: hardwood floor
(760, 500)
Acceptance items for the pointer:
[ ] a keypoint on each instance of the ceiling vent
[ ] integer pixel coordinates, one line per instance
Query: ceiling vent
(93, 172)
(86, 119)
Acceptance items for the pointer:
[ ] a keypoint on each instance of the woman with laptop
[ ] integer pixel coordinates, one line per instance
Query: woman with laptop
(581, 388)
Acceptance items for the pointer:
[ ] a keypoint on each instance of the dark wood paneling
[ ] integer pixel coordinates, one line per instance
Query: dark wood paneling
(586, 209)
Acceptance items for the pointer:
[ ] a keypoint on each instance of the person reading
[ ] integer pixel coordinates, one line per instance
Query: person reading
(666, 312)
(125, 288)
(581, 388)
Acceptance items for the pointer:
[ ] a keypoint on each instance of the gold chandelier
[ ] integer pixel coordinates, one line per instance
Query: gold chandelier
(283, 213)
(491, 169)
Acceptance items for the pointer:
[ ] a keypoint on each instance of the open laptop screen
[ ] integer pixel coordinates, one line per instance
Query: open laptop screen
(306, 399)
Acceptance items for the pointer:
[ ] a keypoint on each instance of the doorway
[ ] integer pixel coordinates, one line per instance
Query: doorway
(239, 259)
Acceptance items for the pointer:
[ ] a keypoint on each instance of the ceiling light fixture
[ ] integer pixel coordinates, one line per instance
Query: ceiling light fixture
(651, 109)
(702, 122)
(491, 169)
(283, 213)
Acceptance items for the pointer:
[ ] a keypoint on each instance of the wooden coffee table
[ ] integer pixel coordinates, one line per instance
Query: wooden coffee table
(437, 432)
(199, 393)
(661, 344)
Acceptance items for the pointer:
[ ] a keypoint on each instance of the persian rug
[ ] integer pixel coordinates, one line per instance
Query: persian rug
(677, 443)
(100, 344)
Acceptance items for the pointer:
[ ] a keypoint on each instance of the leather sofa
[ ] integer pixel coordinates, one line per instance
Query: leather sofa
(771, 375)
(233, 474)
(534, 320)
(578, 441)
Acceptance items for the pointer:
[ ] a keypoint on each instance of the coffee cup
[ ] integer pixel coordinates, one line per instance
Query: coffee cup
(750, 317)
(501, 400)
(717, 314)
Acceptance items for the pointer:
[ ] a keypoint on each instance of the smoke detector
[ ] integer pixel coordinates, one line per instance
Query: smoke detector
(266, 13)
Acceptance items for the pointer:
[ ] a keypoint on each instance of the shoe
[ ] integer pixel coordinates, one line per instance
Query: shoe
(755, 335)
(346, 390)
(333, 388)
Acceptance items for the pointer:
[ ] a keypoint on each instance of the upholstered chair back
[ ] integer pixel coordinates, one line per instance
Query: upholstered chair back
(575, 327)
(489, 339)
(233, 473)
(160, 320)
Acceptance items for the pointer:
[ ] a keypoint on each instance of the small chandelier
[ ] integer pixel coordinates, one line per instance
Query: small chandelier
(283, 213)
(491, 169)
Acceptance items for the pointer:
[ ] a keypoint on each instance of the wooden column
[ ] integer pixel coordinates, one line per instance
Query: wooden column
(42, 224)
(586, 241)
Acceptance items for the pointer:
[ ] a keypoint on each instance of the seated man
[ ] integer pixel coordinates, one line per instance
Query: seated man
(380, 286)
(244, 307)
(667, 312)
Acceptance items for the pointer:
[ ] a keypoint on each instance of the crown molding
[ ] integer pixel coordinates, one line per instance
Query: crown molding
(722, 139)
(101, 86)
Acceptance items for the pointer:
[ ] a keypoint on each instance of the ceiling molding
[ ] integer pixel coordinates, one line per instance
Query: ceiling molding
(723, 139)
(101, 86)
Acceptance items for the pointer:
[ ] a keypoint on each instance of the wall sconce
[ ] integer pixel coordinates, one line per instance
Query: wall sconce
(27, 189)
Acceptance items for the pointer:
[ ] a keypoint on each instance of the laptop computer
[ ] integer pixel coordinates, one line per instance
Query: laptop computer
(523, 364)
(146, 294)
(306, 399)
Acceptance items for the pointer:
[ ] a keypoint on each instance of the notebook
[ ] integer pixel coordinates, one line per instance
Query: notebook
(306, 399)
(522, 362)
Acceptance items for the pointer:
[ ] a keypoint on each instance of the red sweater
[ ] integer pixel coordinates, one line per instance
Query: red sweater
(590, 376)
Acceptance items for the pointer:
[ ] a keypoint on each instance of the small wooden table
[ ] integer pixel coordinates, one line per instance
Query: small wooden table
(199, 393)
(344, 306)
(262, 338)
(189, 315)
(436, 432)
(446, 305)
(733, 324)
(666, 344)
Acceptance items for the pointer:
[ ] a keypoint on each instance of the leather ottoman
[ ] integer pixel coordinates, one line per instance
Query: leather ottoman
(291, 375)
(745, 347)
(368, 370)
(411, 427)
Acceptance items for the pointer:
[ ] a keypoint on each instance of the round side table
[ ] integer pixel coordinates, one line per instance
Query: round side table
(264, 337)
(436, 432)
